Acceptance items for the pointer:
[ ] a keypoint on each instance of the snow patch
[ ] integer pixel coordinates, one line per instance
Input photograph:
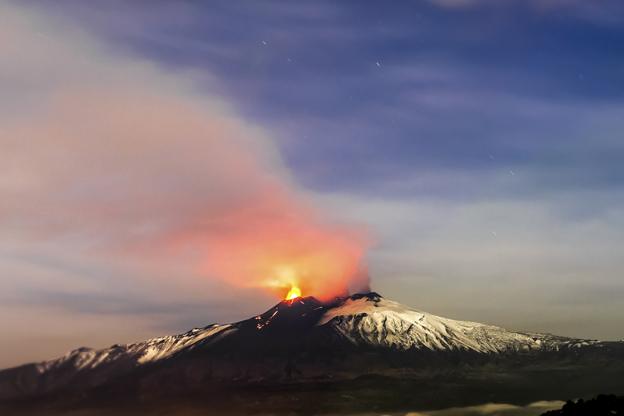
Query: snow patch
(375, 321)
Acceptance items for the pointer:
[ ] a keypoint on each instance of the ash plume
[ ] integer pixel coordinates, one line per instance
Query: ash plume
(126, 166)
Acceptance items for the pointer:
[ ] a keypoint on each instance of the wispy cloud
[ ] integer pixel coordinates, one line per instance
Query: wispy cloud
(501, 409)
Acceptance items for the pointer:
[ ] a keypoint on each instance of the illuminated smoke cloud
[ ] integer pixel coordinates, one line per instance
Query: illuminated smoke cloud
(125, 163)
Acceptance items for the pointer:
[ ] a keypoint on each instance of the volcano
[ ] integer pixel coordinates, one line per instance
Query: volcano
(361, 351)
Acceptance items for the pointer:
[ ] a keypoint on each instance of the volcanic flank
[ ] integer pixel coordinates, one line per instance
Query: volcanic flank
(312, 343)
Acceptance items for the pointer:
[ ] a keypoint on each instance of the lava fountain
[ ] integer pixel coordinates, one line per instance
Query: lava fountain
(293, 293)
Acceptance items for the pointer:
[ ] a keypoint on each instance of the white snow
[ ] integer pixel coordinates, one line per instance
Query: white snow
(137, 354)
(384, 323)
(372, 321)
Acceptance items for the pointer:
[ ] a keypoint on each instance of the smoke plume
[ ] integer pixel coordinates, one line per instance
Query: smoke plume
(119, 161)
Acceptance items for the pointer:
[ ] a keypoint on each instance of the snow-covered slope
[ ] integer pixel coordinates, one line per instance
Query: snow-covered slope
(266, 344)
(135, 354)
(364, 342)
(364, 319)
(86, 367)
(372, 320)
(83, 359)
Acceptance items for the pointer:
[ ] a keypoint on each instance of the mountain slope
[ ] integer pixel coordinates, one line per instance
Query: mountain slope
(303, 338)
(373, 320)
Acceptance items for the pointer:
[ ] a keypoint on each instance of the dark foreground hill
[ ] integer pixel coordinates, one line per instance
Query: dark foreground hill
(603, 405)
(356, 354)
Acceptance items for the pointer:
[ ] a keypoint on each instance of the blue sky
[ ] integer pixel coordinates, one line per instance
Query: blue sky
(479, 142)
(360, 94)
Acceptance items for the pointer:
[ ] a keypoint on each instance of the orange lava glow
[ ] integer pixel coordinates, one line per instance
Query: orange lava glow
(293, 293)
(275, 243)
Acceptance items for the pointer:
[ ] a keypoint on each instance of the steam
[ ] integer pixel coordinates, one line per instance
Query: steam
(119, 161)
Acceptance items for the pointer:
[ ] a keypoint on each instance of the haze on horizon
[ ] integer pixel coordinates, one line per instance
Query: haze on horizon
(470, 151)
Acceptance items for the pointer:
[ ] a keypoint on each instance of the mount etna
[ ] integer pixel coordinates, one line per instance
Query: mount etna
(355, 353)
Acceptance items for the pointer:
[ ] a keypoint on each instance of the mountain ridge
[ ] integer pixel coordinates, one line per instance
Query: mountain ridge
(359, 318)
(307, 342)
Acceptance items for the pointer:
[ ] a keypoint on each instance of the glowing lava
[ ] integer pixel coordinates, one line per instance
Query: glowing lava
(294, 293)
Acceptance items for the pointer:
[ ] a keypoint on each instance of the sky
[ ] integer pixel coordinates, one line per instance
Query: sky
(462, 157)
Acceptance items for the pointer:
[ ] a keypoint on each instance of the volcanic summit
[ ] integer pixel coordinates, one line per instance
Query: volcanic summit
(347, 340)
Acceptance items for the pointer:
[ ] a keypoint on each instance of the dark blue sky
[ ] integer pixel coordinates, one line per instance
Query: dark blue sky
(362, 96)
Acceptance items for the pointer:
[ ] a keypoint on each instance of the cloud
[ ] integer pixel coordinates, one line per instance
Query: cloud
(499, 409)
(533, 264)
(603, 13)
